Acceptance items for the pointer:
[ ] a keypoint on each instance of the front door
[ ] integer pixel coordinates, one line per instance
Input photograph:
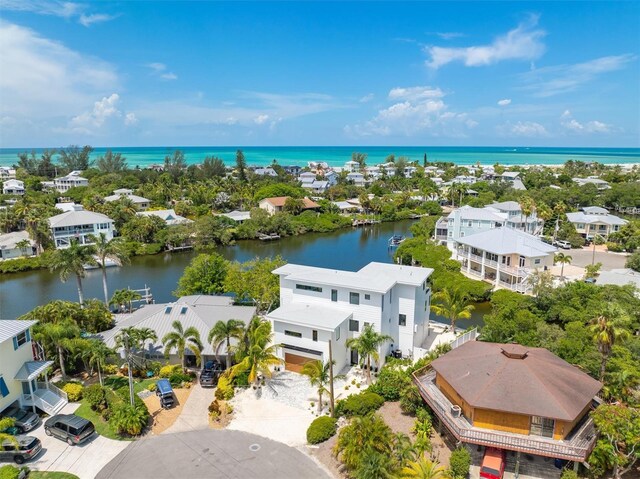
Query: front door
(354, 357)
(25, 387)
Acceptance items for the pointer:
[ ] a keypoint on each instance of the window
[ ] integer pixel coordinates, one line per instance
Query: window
(20, 339)
(337, 331)
(168, 310)
(469, 224)
(383, 302)
(402, 319)
(314, 334)
(367, 297)
(334, 295)
(536, 261)
(354, 298)
(390, 296)
(183, 310)
(580, 226)
(354, 325)
(295, 334)
(542, 426)
(4, 390)
(309, 288)
(492, 257)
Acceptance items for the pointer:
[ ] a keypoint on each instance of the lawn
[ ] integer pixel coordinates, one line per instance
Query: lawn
(51, 475)
(117, 382)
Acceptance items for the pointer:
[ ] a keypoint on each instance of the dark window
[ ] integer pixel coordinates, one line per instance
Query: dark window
(383, 302)
(183, 310)
(354, 298)
(168, 310)
(337, 333)
(306, 287)
(314, 334)
(295, 334)
(402, 319)
(367, 297)
(21, 338)
(354, 325)
(334, 295)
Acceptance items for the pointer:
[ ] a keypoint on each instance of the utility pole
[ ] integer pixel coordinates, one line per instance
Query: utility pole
(127, 352)
(331, 404)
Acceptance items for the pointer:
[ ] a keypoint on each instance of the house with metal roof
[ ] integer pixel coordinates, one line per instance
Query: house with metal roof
(72, 180)
(13, 187)
(16, 245)
(77, 225)
(595, 221)
(512, 397)
(276, 204)
(140, 203)
(22, 364)
(592, 180)
(170, 217)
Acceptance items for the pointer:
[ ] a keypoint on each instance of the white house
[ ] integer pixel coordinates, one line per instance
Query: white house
(72, 180)
(319, 305)
(517, 220)
(21, 363)
(170, 217)
(78, 225)
(352, 166)
(238, 216)
(268, 171)
(141, 203)
(9, 245)
(592, 180)
(13, 187)
(594, 220)
(7, 173)
(505, 257)
(356, 178)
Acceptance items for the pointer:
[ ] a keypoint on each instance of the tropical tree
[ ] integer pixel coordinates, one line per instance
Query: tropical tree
(23, 245)
(255, 281)
(320, 377)
(108, 249)
(527, 206)
(541, 282)
(182, 340)
(222, 332)
(453, 304)
(367, 345)
(96, 354)
(609, 328)
(562, 259)
(592, 270)
(71, 261)
(258, 354)
(363, 436)
(58, 336)
(124, 297)
(5, 437)
(204, 275)
(424, 468)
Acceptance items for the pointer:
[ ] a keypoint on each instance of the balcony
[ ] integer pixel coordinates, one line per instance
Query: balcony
(576, 447)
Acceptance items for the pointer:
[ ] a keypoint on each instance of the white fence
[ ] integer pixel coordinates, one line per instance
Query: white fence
(468, 336)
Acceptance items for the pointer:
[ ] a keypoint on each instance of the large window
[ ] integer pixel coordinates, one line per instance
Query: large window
(354, 325)
(334, 295)
(542, 426)
(295, 334)
(306, 287)
(402, 319)
(354, 298)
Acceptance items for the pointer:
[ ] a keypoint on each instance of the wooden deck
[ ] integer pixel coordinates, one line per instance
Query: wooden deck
(576, 447)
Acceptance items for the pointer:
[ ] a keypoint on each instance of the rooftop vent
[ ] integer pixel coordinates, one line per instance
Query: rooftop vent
(514, 351)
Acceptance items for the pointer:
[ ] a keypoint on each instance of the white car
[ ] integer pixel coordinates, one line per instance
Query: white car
(563, 244)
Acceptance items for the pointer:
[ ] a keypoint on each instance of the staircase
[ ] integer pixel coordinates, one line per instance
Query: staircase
(47, 398)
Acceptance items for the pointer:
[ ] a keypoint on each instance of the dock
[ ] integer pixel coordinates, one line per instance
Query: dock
(270, 237)
(396, 240)
(357, 223)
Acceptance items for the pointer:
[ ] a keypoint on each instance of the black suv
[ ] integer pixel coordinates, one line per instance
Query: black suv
(69, 427)
(28, 448)
(210, 373)
(24, 421)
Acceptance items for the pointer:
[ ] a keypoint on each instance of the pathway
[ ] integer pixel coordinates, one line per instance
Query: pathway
(195, 413)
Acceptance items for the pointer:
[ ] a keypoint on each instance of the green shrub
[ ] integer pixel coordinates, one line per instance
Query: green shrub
(169, 369)
(359, 404)
(152, 387)
(391, 382)
(109, 369)
(615, 247)
(321, 429)
(569, 474)
(96, 396)
(129, 419)
(74, 391)
(241, 379)
(633, 262)
(460, 462)
(25, 264)
(9, 472)
(224, 391)
(214, 407)
(177, 379)
(410, 399)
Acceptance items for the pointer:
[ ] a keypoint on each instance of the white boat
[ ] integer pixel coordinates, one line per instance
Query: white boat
(107, 264)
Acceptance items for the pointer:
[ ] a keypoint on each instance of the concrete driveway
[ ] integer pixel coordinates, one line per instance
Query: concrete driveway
(211, 453)
(583, 257)
(195, 412)
(84, 460)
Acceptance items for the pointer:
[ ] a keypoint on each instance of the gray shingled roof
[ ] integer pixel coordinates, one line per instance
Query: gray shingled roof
(540, 384)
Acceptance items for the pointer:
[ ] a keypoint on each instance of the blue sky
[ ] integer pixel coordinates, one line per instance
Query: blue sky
(417, 73)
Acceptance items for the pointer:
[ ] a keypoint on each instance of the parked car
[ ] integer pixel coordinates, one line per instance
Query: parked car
(165, 392)
(69, 427)
(212, 365)
(493, 463)
(563, 244)
(28, 448)
(209, 378)
(24, 421)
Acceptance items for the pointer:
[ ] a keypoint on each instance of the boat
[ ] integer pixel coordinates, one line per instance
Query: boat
(109, 263)
(395, 241)
(268, 237)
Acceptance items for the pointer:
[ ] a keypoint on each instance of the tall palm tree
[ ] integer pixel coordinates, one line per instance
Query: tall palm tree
(182, 339)
(96, 354)
(453, 304)
(367, 345)
(609, 328)
(222, 332)
(106, 249)
(319, 375)
(123, 297)
(145, 334)
(258, 354)
(424, 468)
(562, 259)
(58, 336)
(71, 261)
(527, 206)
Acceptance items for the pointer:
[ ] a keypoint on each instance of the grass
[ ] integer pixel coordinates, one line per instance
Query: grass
(51, 475)
(117, 382)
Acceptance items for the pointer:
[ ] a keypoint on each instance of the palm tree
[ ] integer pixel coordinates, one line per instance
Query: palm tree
(528, 206)
(403, 449)
(424, 468)
(143, 335)
(258, 352)
(71, 261)
(222, 332)
(182, 339)
(562, 259)
(363, 436)
(58, 336)
(453, 304)
(23, 245)
(319, 375)
(123, 297)
(106, 249)
(97, 354)
(367, 345)
(608, 328)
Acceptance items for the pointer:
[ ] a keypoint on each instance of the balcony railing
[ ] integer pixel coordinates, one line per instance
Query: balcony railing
(576, 447)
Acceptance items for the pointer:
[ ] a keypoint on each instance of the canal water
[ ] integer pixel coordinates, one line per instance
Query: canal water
(348, 249)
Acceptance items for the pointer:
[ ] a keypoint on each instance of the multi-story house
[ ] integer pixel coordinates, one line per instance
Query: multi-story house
(7, 173)
(516, 219)
(13, 187)
(514, 398)
(22, 363)
(77, 225)
(142, 204)
(600, 184)
(595, 221)
(504, 257)
(351, 166)
(356, 178)
(319, 305)
(72, 180)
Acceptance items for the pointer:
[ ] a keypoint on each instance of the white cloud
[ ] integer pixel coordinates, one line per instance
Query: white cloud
(261, 119)
(415, 93)
(449, 35)
(554, 80)
(505, 102)
(525, 128)
(367, 98)
(571, 124)
(160, 70)
(56, 8)
(522, 43)
(130, 119)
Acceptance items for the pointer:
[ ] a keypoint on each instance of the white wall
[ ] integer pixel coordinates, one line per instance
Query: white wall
(10, 363)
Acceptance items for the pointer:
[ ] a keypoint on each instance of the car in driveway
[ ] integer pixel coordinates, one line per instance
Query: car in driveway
(493, 463)
(28, 448)
(208, 379)
(70, 428)
(165, 392)
(24, 421)
(563, 244)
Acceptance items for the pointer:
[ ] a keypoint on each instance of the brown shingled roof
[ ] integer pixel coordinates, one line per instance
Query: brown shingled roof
(517, 379)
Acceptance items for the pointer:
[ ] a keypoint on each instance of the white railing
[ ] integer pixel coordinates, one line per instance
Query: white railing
(468, 336)
(54, 389)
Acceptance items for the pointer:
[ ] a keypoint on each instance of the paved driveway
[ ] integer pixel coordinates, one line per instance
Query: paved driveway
(211, 454)
(84, 460)
(583, 257)
(195, 412)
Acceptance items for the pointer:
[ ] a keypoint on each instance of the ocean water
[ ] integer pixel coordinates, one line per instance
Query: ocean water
(336, 156)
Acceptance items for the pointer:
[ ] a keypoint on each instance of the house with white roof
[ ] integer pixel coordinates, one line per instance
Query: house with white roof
(356, 178)
(22, 363)
(141, 203)
(170, 217)
(352, 166)
(620, 277)
(594, 220)
(200, 311)
(7, 173)
(9, 248)
(72, 180)
(13, 187)
(516, 219)
(238, 216)
(505, 257)
(592, 180)
(268, 171)
(78, 225)
(318, 305)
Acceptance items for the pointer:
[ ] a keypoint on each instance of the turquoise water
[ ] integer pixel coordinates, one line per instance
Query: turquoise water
(336, 156)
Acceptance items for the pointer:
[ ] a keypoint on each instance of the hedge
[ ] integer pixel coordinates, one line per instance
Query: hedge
(96, 396)
(74, 391)
(321, 429)
(460, 462)
(9, 472)
(359, 404)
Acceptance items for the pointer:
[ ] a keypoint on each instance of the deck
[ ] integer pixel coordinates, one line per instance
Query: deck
(576, 447)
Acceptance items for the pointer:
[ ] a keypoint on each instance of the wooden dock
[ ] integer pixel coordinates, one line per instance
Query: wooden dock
(357, 223)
